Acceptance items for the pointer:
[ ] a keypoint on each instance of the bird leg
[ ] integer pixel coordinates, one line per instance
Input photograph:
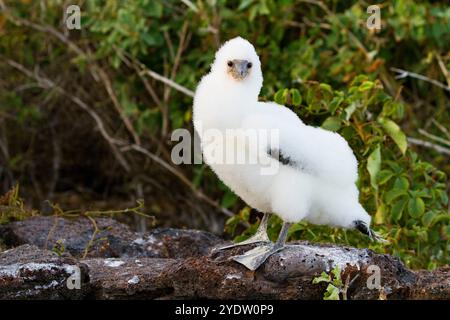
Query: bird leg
(254, 258)
(259, 236)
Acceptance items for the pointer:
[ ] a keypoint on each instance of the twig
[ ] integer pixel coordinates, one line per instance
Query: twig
(169, 82)
(131, 62)
(405, 73)
(430, 145)
(91, 240)
(167, 89)
(48, 84)
(50, 30)
(441, 127)
(180, 176)
(434, 137)
(169, 44)
(108, 86)
(443, 68)
(94, 68)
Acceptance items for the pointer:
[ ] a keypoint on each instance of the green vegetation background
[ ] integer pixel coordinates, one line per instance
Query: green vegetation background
(86, 115)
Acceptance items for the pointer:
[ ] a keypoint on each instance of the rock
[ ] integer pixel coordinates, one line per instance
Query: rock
(432, 284)
(175, 264)
(115, 278)
(173, 243)
(26, 272)
(113, 239)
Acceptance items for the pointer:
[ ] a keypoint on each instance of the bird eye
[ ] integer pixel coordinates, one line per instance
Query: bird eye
(249, 65)
(230, 63)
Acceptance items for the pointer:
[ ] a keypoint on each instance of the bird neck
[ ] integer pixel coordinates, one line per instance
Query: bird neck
(222, 103)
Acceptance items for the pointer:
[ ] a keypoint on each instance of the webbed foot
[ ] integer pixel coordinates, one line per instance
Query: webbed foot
(254, 258)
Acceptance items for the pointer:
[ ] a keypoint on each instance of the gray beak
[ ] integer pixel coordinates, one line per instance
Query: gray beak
(239, 69)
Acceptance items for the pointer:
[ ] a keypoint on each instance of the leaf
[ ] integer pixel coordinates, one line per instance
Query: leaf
(401, 183)
(393, 194)
(428, 218)
(245, 213)
(373, 166)
(416, 207)
(384, 176)
(332, 124)
(337, 281)
(444, 197)
(394, 131)
(398, 208)
(350, 109)
(324, 277)
(228, 199)
(326, 87)
(332, 293)
(244, 4)
(380, 214)
(366, 85)
(154, 9)
(295, 97)
(280, 96)
(335, 103)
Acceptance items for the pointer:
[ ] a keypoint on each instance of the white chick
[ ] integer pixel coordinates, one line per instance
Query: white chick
(314, 170)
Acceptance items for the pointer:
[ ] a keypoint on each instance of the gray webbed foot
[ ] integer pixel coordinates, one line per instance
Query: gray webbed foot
(255, 239)
(259, 237)
(254, 258)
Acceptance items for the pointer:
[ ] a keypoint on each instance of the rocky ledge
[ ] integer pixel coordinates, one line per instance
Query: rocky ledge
(57, 258)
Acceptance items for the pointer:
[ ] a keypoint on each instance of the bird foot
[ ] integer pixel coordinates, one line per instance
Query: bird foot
(257, 238)
(254, 258)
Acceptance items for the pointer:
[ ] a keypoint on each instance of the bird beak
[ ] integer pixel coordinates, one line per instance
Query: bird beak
(239, 70)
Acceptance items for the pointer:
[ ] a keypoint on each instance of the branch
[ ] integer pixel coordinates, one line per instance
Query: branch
(434, 137)
(94, 68)
(405, 73)
(114, 143)
(429, 145)
(441, 127)
(169, 82)
(180, 176)
(48, 84)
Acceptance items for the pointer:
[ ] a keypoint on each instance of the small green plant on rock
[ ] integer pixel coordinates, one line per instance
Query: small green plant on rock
(335, 285)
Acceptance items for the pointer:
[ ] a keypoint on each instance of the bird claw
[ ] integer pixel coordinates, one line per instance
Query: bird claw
(254, 258)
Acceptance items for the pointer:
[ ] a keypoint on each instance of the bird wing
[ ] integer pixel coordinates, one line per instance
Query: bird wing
(312, 150)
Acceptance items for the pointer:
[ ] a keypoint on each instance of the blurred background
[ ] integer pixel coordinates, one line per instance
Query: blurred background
(86, 115)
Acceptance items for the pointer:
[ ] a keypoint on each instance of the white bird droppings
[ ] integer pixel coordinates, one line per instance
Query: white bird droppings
(233, 276)
(134, 280)
(113, 263)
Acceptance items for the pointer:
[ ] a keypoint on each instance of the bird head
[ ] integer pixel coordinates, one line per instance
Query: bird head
(236, 64)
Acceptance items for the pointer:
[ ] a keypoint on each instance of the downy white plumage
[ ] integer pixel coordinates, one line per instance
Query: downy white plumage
(316, 169)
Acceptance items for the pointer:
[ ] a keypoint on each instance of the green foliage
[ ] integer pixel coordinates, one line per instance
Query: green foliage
(318, 59)
(335, 284)
(59, 247)
(12, 207)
